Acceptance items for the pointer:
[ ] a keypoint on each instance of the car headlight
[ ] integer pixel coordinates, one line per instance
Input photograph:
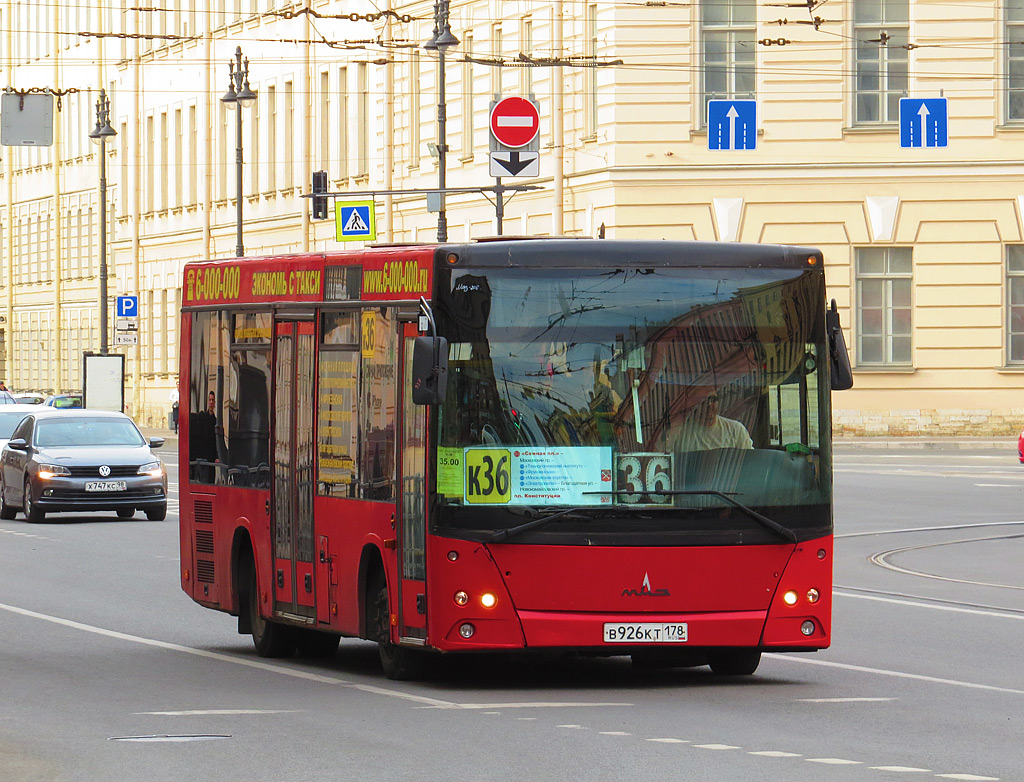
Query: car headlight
(47, 471)
(156, 469)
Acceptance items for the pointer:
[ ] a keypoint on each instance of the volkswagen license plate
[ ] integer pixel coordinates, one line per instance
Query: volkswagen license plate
(106, 486)
(644, 632)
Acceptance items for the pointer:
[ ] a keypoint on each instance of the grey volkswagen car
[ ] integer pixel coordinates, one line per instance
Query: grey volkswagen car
(61, 461)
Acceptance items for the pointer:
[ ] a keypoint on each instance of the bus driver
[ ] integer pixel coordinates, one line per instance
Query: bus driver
(704, 429)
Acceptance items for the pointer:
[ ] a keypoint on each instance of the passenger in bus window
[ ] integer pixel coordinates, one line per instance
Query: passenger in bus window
(704, 429)
(203, 441)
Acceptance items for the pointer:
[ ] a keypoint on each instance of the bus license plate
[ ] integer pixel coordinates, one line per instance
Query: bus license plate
(106, 486)
(644, 632)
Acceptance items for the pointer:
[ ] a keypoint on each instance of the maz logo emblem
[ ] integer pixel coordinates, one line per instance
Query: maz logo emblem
(645, 590)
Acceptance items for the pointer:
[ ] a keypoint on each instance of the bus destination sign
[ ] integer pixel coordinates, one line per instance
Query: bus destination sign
(228, 283)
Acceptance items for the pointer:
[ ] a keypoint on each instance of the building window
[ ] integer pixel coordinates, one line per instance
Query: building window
(497, 47)
(881, 34)
(362, 161)
(526, 47)
(415, 109)
(728, 44)
(343, 120)
(1014, 37)
(884, 279)
(590, 74)
(1015, 304)
(467, 95)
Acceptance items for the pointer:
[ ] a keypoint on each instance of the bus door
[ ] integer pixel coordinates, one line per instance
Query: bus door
(291, 517)
(412, 505)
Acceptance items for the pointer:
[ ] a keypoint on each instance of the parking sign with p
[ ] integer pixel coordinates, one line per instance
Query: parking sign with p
(127, 306)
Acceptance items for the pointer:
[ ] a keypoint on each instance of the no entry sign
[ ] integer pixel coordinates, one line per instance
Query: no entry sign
(514, 122)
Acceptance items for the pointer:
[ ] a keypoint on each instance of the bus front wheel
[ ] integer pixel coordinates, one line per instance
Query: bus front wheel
(734, 662)
(399, 663)
(270, 638)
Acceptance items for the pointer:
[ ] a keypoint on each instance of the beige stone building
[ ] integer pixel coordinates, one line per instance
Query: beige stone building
(924, 244)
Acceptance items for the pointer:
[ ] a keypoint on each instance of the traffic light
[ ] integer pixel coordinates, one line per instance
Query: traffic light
(319, 195)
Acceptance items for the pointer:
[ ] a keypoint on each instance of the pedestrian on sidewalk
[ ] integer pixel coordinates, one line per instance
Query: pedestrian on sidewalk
(174, 409)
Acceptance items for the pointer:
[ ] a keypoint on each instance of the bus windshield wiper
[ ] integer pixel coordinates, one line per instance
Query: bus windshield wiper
(505, 534)
(774, 526)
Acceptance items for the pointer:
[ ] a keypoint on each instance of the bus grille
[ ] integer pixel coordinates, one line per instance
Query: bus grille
(204, 541)
(204, 571)
(204, 512)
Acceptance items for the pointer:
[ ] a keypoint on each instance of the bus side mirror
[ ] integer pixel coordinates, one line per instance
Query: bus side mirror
(842, 372)
(429, 370)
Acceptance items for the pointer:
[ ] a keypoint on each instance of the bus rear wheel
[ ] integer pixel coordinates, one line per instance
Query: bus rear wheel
(270, 638)
(734, 662)
(399, 663)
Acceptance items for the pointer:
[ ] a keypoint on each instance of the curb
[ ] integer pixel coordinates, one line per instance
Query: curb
(1007, 445)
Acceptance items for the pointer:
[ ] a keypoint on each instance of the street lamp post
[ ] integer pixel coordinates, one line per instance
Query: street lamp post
(241, 97)
(100, 134)
(441, 40)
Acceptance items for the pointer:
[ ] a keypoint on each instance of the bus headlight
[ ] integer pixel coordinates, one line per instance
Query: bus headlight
(807, 628)
(789, 598)
(812, 596)
(487, 600)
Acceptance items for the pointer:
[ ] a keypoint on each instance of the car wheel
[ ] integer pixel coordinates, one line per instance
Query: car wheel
(158, 513)
(7, 512)
(33, 512)
(734, 662)
(125, 513)
(270, 638)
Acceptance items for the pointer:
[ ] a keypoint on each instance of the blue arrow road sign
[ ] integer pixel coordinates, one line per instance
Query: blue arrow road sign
(127, 306)
(924, 122)
(732, 124)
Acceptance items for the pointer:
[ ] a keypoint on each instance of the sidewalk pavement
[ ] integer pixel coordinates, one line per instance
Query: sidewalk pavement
(1002, 444)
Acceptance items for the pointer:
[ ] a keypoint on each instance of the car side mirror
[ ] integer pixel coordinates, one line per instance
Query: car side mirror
(429, 370)
(18, 444)
(156, 442)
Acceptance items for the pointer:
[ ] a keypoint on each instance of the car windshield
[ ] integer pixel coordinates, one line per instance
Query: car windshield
(9, 420)
(87, 432)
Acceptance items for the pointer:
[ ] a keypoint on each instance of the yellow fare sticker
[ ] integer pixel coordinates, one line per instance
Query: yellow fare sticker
(449, 472)
(488, 475)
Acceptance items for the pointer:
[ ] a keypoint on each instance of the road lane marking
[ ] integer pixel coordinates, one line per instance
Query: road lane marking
(904, 530)
(715, 746)
(902, 769)
(615, 733)
(842, 700)
(932, 606)
(262, 666)
(834, 761)
(537, 705)
(668, 741)
(170, 739)
(971, 777)
(894, 674)
(774, 753)
(216, 712)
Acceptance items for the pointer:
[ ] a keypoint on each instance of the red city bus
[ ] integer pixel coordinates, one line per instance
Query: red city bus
(604, 447)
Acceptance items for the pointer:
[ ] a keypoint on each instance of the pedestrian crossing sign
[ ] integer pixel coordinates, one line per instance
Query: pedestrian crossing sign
(354, 221)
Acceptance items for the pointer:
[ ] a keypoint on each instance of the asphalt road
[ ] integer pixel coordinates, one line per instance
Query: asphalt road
(108, 672)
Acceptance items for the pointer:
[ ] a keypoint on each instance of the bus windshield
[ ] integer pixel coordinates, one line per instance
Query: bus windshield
(650, 401)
